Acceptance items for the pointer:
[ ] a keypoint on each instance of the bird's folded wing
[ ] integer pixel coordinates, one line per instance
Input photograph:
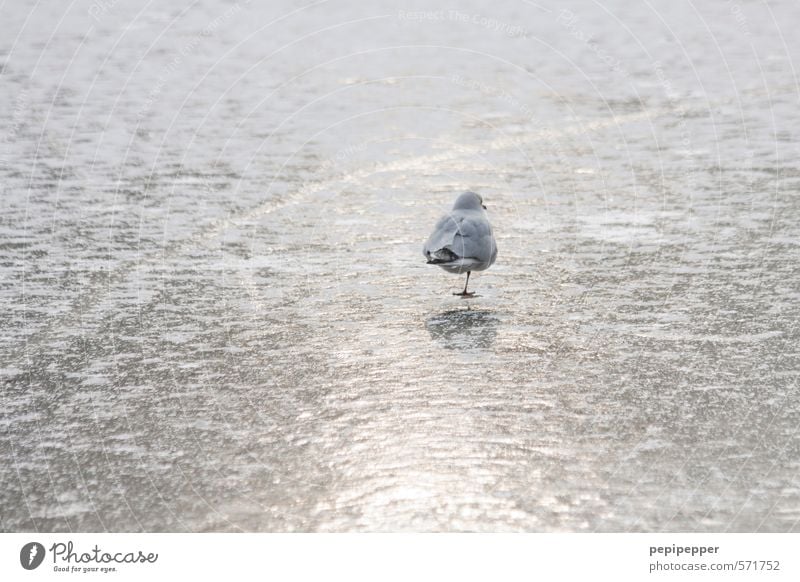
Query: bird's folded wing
(441, 237)
(464, 236)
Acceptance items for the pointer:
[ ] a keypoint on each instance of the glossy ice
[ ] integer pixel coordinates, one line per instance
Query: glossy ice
(216, 315)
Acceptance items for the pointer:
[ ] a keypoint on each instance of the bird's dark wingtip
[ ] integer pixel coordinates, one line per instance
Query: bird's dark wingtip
(441, 256)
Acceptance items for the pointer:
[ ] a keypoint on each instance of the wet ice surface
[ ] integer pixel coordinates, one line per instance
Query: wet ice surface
(217, 315)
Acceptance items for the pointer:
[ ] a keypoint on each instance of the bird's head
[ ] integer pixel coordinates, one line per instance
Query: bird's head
(469, 201)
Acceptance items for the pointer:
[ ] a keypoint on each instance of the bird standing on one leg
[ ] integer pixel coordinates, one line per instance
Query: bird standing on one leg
(462, 240)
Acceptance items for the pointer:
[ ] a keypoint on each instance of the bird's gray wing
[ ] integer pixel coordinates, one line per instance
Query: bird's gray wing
(442, 237)
(463, 235)
(474, 239)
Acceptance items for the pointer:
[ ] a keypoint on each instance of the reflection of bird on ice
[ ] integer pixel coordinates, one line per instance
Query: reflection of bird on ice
(462, 240)
(463, 329)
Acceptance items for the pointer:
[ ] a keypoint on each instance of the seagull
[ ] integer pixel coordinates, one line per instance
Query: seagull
(462, 240)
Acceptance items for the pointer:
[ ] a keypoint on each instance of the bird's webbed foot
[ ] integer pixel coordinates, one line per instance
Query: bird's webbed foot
(465, 295)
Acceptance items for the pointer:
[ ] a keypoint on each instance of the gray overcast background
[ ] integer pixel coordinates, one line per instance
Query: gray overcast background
(215, 310)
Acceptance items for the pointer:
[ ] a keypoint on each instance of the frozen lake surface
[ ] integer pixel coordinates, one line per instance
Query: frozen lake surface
(216, 313)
